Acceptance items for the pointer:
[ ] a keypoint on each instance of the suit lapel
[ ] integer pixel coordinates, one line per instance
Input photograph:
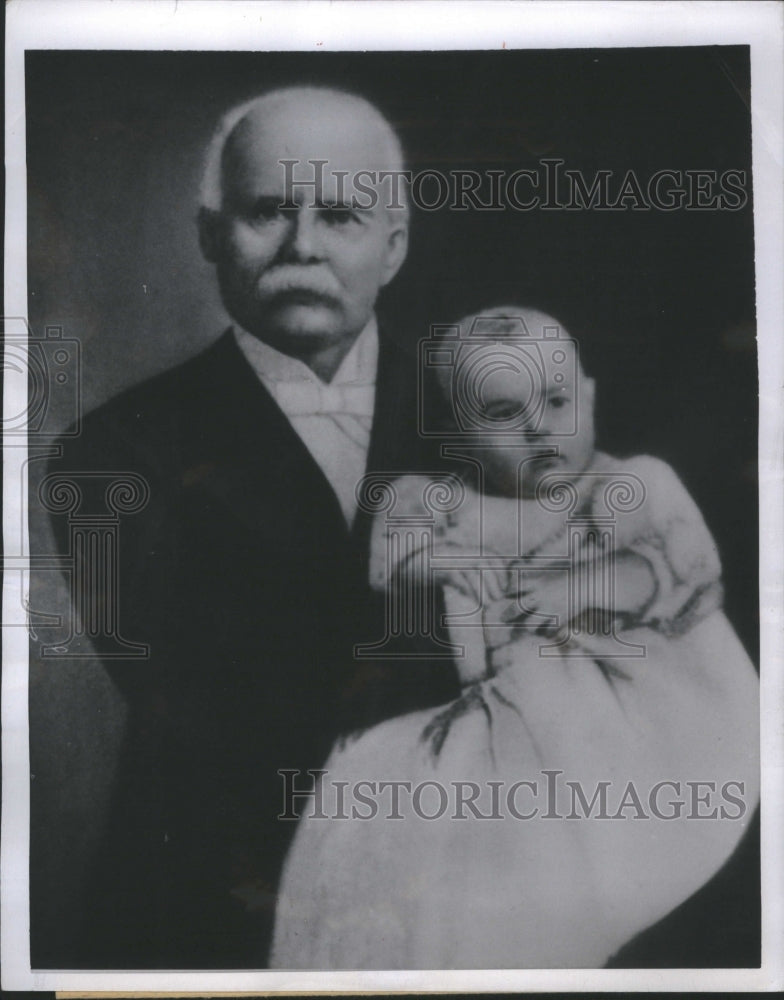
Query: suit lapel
(256, 464)
(390, 406)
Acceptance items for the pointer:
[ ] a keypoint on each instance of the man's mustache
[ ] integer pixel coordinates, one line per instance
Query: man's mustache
(289, 278)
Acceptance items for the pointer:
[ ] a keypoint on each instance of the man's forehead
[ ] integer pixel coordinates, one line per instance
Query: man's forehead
(346, 135)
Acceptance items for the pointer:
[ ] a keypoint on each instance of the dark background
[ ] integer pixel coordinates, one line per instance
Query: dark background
(662, 302)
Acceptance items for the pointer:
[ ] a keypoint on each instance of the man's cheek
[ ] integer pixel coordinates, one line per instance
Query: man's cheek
(364, 279)
(248, 246)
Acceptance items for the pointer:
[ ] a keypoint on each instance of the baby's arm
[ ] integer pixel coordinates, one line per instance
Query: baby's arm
(634, 587)
(635, 582)
(421, 548)
(666, 534)
(664, 569)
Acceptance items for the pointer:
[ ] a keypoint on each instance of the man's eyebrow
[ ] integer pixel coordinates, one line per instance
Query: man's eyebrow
(269, 201)
(281, 202)
(345, 205)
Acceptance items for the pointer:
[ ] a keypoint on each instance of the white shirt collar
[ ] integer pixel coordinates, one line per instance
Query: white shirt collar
(334, 420)
(358, 367)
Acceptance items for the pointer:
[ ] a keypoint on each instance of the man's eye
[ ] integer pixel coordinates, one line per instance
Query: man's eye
(337, 216)
(267, 211)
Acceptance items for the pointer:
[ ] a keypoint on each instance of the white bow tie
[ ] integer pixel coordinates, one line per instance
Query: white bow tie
(306, 399)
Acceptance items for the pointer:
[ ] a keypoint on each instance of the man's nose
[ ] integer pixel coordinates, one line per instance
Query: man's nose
(302, 240)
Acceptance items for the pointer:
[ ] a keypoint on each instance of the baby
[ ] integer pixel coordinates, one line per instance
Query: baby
(539, 547)
(584, 591)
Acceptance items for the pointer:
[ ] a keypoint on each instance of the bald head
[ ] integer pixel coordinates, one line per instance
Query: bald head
(294, 217)
(303, 124)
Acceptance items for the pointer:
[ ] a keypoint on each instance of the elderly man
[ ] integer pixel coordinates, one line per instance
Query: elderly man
(247, 571)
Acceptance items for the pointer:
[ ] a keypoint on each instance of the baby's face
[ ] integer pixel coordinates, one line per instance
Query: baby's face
(549, 413)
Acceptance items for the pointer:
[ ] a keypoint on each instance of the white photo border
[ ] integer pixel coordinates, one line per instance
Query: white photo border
(389, 25)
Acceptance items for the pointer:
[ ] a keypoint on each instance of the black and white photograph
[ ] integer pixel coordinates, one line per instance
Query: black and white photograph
(391, 546)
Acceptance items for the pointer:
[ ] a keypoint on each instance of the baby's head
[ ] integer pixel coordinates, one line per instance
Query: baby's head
(518, 373)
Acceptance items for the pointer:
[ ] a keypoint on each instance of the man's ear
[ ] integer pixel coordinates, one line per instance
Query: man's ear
(397, 249)
(588, 390)
(209, 221)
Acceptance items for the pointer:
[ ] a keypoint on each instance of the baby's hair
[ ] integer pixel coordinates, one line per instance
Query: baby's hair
(495, 325)
(509, 321)
(505, 321)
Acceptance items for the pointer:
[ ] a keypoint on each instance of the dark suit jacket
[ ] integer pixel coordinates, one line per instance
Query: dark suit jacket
(243, 579)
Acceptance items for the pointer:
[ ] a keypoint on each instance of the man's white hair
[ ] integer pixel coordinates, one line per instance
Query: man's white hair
(211, 188)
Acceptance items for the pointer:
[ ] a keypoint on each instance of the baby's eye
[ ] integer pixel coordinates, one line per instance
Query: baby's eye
(502, 412)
